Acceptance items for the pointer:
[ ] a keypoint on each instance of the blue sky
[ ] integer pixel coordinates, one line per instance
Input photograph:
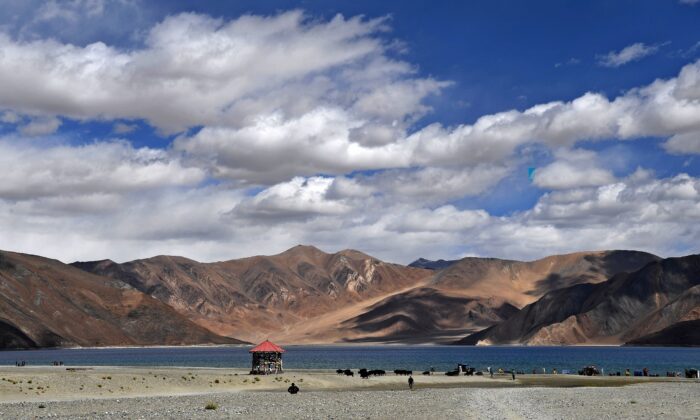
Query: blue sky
(405, 129)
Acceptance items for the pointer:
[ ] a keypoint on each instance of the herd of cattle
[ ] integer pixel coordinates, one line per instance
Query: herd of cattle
(364, 373)
(469, 371)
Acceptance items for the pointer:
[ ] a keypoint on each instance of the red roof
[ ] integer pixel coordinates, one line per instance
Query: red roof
(266, 346)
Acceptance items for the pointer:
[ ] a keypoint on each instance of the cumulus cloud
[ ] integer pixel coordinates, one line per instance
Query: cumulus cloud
(639, 212)
(298, 198)
(572, 169)
(630, 53)
(36, 170)
(295, 130)
(686, 143)
(197, 70)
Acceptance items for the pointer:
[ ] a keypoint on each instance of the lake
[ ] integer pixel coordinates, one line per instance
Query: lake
(389, 357)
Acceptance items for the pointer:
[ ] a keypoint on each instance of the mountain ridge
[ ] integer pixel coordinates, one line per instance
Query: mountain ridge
(627, 307)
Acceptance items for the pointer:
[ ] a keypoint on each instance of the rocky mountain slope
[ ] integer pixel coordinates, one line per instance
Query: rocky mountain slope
(304, 295)
(626, 308)
(263, 295)
(522, 282)
(45, 303)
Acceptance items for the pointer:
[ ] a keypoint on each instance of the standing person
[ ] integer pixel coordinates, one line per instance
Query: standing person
(410, 382)
(490, 371)
(513, 372)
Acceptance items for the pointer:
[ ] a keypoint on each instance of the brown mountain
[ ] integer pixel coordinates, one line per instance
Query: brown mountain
(627, 307)
(304, 295)
(522, 283)
(473, 293)
(45, 303)
(258, 296)
(425, 314)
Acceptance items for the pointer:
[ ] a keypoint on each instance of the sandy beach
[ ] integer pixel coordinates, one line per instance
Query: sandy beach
(105, 392)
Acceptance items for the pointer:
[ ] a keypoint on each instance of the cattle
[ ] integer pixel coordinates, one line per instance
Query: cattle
(364, 373)
(403, 372)
(348, 372)
(591, 371)
(452, 373)
(340, 371)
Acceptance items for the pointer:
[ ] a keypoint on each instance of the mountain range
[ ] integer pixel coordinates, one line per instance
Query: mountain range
(305, 295)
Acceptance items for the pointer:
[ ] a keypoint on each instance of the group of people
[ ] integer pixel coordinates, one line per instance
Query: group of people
(21, 363)
(500, 371)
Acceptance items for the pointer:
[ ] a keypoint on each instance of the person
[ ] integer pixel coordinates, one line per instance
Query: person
(490, 371)
(293, 389)
(410, 382)
(512, 371)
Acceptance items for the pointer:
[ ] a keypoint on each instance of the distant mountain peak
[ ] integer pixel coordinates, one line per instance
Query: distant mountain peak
(303, 249)
(431, 264)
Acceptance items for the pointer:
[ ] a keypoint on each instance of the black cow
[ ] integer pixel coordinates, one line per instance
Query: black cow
(348, 372)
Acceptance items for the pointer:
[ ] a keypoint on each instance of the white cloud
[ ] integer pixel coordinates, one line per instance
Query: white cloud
(640, 212)
(304, 134)
(442, 219)
(123, 128)
(572, 169)
(197, 70)
(691, 2)
(40, 126)
(686, 143)
(630, 53)
(35, 170)
(298, 198)
(9, 117)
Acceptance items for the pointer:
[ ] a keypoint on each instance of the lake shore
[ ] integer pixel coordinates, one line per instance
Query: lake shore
(145, 392)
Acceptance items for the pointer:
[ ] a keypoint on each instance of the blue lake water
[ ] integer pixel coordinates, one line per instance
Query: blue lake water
(418, 358)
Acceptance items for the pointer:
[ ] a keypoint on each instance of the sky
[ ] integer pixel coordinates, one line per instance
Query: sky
(404, 129)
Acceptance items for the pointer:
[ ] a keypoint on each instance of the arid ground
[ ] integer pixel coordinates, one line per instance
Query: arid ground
(60, 392)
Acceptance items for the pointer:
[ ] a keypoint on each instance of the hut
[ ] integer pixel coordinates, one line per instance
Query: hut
(267, 358)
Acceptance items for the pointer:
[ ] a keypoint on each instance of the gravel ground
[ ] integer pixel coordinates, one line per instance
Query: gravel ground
(659, 400)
